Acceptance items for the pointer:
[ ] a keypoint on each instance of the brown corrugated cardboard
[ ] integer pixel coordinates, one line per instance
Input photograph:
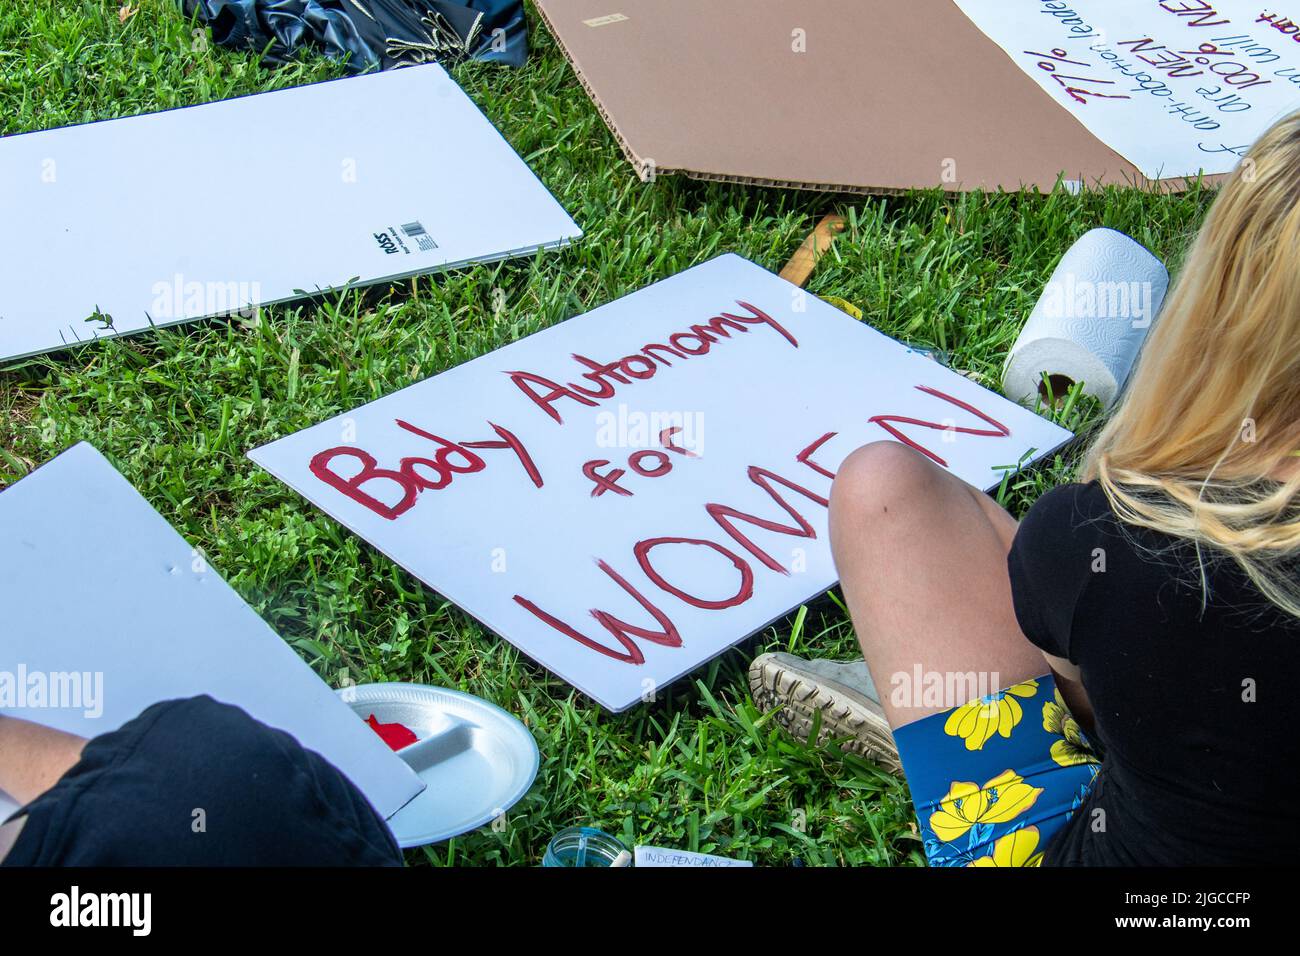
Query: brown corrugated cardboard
(885, 96)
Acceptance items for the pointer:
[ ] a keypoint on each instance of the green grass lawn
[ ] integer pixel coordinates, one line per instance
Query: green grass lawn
(176, 409)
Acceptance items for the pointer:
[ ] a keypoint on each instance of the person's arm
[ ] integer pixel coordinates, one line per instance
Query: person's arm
(33, 757)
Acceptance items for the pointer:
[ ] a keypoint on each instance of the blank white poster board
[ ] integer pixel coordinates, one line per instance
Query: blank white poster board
(106, 610)
(1177, 87)
(214, 209)
(627, 494)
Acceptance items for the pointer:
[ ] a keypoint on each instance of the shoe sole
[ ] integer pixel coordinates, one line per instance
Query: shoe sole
(797, 698)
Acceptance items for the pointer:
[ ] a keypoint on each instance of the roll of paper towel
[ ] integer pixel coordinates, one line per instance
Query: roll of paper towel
(1091, 319)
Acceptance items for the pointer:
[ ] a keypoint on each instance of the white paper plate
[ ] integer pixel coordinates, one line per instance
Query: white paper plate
(476, 758)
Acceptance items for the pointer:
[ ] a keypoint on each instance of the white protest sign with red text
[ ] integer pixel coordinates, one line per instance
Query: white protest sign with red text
(1178, 88)
(627, 494)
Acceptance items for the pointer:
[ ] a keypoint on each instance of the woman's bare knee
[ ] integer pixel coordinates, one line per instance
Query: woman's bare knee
(878, 477)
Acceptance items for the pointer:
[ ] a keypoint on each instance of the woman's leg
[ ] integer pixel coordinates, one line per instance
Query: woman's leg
(922, 559)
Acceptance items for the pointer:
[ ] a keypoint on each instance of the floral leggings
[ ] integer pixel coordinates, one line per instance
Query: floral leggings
(1033, 763)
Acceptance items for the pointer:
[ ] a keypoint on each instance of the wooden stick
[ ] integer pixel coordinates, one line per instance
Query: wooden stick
(801, 265)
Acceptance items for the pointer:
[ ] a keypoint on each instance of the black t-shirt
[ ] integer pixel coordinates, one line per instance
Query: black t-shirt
(198, 783)
(1197, 707)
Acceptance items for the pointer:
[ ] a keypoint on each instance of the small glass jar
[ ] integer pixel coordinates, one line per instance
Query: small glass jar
(582, 846)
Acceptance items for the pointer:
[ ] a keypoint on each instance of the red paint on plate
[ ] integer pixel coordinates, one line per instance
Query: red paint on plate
(395, 735)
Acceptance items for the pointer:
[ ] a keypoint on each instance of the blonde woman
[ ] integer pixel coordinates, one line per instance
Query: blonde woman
(1143, 624)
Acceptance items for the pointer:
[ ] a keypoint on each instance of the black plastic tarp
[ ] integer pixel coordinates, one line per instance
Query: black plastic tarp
(370, 34)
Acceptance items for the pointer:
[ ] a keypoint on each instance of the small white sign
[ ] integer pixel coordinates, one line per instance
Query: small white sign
(1177, 88)
(660, 856)
(631, 492)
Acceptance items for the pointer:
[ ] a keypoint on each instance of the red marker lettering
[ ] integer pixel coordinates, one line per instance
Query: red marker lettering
(805, 457)
(884, 421)
(666, 441)
(546, 400)
(352, 486)
(723, 515)
(743, 594)
(607, 482)
(637, 459)
(666, 636)
(508, 440)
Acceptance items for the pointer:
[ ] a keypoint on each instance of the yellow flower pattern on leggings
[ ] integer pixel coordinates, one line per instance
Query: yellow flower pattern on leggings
(1073, 749)
(1015, 849)
(1037, 773)
(983, 717)
(1003, 798)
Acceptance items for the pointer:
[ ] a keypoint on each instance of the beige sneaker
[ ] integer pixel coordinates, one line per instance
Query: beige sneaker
(843, 692)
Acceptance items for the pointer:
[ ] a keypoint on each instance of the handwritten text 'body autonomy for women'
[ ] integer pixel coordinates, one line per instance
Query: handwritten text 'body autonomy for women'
(448, 459)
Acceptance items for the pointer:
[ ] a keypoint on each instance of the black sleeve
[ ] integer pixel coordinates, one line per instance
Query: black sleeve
(1050, 564)
(133, 799)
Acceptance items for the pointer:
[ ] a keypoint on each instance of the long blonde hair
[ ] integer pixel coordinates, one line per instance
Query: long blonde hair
(1200, 445)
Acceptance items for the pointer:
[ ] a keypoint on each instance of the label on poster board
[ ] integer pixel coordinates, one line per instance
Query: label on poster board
(1177, 88)
(627, 494)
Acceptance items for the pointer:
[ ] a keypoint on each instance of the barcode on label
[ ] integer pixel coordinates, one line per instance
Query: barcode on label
(413, 229)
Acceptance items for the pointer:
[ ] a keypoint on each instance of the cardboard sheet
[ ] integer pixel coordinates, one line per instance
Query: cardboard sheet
(150, 220)
(627, 494)
(853, 95)
(105, 609)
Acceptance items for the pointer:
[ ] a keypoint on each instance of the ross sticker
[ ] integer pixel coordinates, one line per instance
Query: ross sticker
(394, 240)
(415, 232)
(606, 20)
